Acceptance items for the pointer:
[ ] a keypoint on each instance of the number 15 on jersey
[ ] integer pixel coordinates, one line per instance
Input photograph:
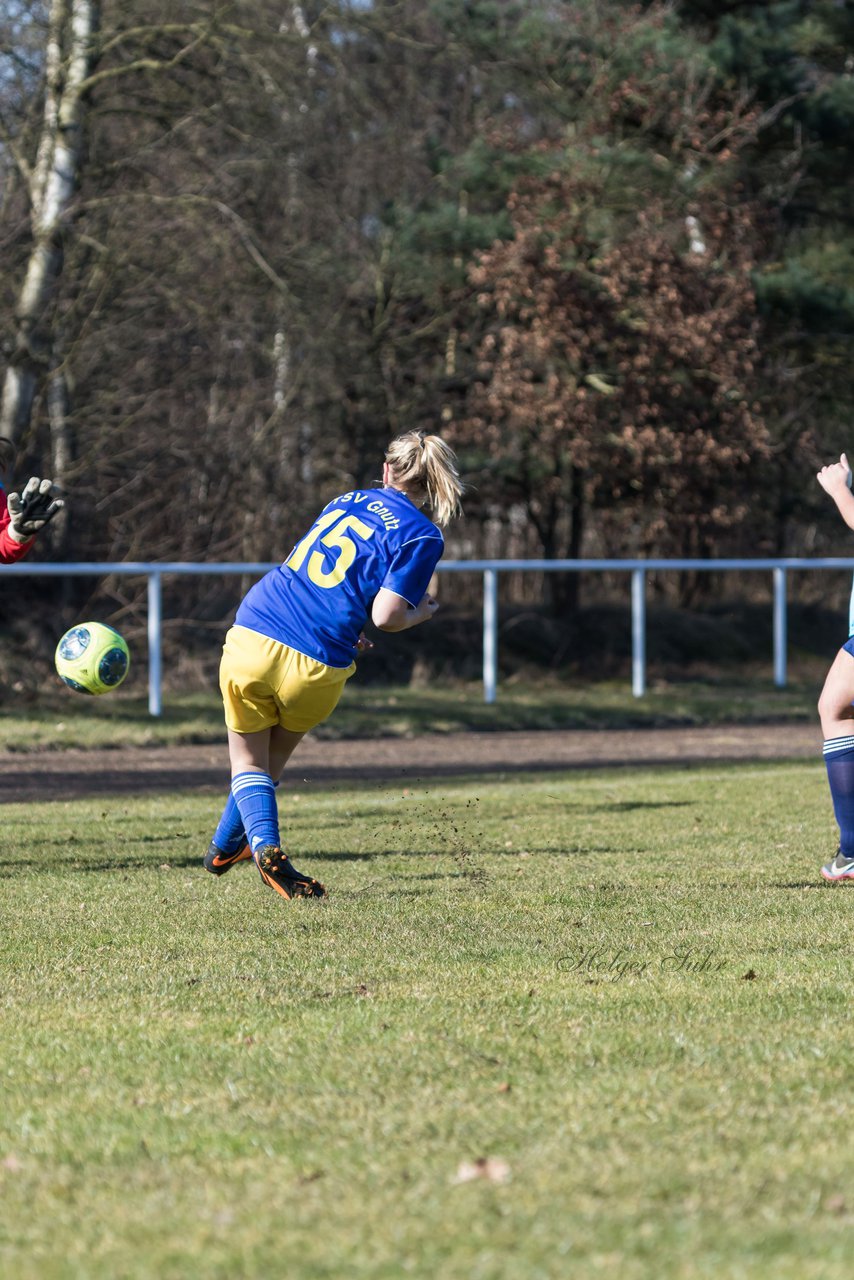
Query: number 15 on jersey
(336, 527)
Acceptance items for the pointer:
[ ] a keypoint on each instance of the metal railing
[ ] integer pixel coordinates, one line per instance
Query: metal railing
(636, 569)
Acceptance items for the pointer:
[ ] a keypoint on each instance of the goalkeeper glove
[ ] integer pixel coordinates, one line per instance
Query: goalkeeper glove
(31, 509)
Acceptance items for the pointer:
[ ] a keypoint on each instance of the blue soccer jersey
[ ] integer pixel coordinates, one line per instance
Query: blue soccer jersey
(318, 601)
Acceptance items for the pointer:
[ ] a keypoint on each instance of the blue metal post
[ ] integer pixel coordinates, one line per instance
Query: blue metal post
(638, 632)
(490, 634)
(780, 643)
(155, 655)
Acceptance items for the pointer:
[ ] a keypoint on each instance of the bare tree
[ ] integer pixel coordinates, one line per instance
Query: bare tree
(50, 181)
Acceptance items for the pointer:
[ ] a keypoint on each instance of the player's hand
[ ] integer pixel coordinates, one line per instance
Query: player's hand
(363, 644)
(836, 476)
(427, 607)
(31, 509)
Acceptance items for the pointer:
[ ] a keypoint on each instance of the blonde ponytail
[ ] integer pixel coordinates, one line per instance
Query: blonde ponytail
(426, 468)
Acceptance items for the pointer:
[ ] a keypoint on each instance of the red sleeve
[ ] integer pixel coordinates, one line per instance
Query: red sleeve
(10, 550)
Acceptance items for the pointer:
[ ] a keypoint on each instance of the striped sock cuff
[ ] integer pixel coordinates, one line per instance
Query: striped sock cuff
(835, 746)
(254, 782)
(255, 797)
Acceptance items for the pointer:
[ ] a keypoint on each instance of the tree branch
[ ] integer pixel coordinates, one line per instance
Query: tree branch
(21, 163)
(140, 64)
(243, 230)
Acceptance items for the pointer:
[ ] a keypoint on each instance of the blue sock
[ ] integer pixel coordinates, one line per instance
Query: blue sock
(839, 759)
(255, 797)
(230, 833)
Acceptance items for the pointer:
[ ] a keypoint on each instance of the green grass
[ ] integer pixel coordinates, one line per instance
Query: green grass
(65, 719)
(631, 987)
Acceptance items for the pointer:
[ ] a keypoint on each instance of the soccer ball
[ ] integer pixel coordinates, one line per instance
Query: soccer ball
(92, 658)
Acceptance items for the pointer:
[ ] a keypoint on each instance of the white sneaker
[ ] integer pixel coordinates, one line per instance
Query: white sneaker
(841, 868)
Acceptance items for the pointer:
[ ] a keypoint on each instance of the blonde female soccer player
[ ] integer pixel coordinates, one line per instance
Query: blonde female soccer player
(835, 704)
(291, 650)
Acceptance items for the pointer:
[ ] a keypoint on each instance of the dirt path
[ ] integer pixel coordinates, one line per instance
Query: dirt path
(66, 775)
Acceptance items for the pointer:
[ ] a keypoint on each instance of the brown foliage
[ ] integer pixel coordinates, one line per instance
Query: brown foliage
(616, 362)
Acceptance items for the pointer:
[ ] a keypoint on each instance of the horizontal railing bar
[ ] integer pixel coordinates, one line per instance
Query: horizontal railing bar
(629, 566)
(128, 568)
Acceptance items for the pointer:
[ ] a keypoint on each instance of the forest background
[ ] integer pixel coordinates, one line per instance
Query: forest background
(606, 249)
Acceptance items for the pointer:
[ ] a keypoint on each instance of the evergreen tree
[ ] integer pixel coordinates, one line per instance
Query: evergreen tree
(617, 360)
(796, 59)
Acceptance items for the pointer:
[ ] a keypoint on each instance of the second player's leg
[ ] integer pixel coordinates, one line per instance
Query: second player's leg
(837, 725)
(834, 704)
(283, 743)
(248, 751)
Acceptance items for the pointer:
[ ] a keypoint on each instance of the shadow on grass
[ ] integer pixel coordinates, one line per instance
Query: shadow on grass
(86, 865)
(802, 884)
(435, 875)
(84, 844)
(73, 861)
(458, 882)
(628, 806)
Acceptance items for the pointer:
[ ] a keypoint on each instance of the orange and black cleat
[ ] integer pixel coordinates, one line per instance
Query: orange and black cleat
(218, 862)
(276, 870)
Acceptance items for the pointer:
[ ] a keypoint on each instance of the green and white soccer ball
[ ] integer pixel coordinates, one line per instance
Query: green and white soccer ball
(92, 658)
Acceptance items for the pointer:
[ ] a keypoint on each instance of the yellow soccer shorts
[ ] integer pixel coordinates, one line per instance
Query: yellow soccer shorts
(264, 683)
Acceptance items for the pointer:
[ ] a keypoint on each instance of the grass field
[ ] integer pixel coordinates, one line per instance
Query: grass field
(595, 1025)
(60, 718)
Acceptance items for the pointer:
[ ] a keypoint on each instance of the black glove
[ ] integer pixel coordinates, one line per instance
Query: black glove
(31, 509)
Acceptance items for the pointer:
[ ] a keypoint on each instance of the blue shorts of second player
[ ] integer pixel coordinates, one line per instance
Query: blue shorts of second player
(849, 646)
(265, 683)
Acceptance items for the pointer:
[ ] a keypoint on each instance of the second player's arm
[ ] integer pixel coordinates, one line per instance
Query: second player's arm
(391, 612)
(835, 479)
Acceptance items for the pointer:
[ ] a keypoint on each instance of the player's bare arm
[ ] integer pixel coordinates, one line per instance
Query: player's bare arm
(391, 612)
(835, 479)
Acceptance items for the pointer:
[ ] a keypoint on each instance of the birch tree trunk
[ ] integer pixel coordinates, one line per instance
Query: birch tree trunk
(69, 57)
(298, 439)
(58, 401)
